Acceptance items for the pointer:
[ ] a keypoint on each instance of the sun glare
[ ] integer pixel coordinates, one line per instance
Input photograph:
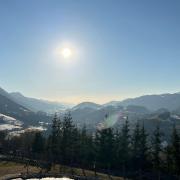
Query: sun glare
(66, 52)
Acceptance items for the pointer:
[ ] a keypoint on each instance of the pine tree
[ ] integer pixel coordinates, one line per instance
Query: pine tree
(135, 146)
(55, 138)
(48, 149)
(156, 148)
(105, 144)
(143, 148)
(86, 155)
(117, 155)
(38, 145)
(68, 130)
(136, 141)
(169, 158)
(123, 150)
(84, 147)
(176, 150)
(75, 145)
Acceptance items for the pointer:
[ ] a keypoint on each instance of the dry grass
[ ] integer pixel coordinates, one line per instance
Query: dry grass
(7, 168)
(14, 168)
(77, 171)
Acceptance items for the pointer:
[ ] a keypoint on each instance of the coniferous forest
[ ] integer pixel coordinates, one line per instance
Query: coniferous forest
(121, 152)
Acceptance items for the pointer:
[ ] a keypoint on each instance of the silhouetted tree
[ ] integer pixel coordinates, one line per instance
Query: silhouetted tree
(143, 151)
(169, 159)
(156, 148)
(176, 150)
(135, 146)
(38, 145)
(123, 150)
(68, 133)
(105, 144)
(55, 138)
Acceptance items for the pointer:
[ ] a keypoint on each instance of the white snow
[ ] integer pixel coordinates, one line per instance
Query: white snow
(7, 118)
(10, 123)
(38, 128)
(8, 127)
(10, 120)
(29, 129)
(176, 117)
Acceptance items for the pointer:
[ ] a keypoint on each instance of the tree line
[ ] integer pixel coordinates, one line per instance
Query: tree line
(109, 150)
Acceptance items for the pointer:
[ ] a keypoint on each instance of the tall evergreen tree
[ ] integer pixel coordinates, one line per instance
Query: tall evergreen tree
(135, 146)
(176, 150)
(86, 148)
(55, 138)
(38, 145)
(68, 133)
(143, 148)
(169, 159)
(105, 147)
(123, 150)
(156, 148)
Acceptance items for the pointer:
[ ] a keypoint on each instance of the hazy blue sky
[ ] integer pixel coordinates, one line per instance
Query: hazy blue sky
(121, 48)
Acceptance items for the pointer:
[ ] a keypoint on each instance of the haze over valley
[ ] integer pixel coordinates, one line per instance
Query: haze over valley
(19, 113)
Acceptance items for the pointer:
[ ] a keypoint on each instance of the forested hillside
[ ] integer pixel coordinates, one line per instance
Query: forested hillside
(114, 151)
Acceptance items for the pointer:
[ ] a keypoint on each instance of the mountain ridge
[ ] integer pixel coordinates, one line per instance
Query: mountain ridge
(38, 104)
(170, 101)
(87, 104)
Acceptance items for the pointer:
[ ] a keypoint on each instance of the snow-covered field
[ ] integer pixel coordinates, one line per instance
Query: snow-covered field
(9, 123)
(8, 127)
(15, 127)
(10, 120)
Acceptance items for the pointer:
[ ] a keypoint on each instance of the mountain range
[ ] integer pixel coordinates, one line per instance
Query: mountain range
(155, 102)
(8, 105)
(151, 102)
(34, 104)
(170, 102)
(164, 108)
(38, 104)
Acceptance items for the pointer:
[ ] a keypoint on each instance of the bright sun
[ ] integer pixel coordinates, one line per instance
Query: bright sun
(66, 52)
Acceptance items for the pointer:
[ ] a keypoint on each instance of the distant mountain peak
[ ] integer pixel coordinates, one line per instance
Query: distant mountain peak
(154, 101)
(83, 105)
(3, 92)
(17, 94)
(38, 104)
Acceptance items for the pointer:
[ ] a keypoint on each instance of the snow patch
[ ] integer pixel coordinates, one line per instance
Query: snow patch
(10, 120)
(4, 127)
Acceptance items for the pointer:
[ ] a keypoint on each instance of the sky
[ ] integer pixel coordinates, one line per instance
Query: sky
(120, 48)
